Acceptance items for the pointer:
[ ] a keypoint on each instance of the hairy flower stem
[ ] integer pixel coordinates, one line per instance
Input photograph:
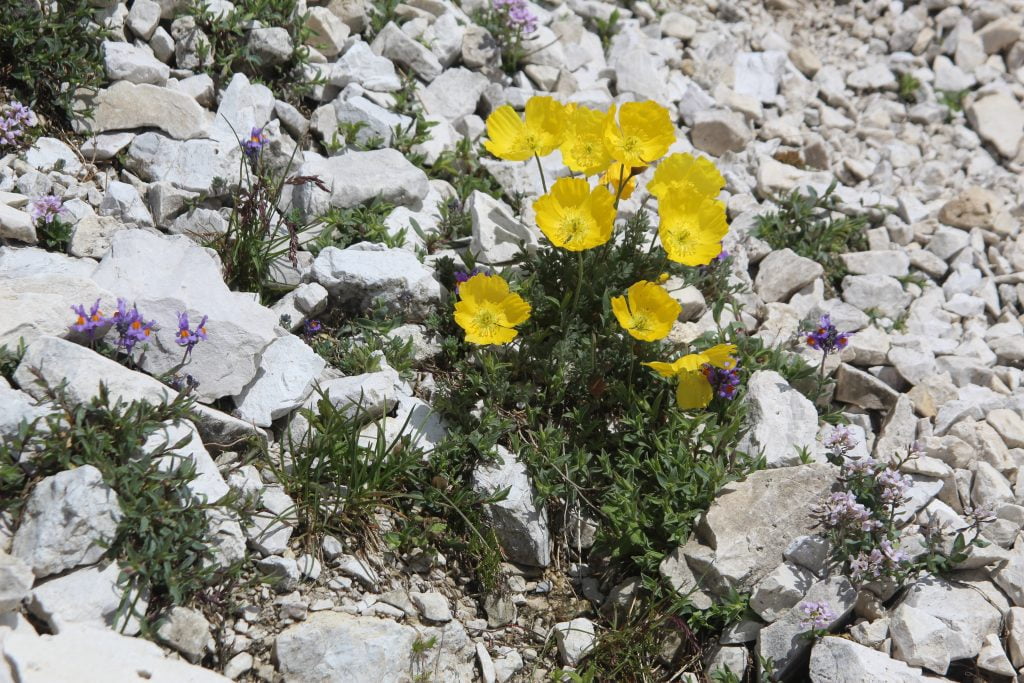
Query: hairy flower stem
(579, 280)
(540, 169)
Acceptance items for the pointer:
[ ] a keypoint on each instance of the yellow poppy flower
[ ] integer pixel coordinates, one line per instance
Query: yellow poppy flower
(583, 149)
(575, 217)
(691, 230)
(488, 311)
(685, 174)
(513, 139)
(642, 134)
(647, 311)
(614, 175)
(693, 389)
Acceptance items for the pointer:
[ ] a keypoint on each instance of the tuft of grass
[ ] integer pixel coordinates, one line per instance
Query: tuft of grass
(258, 234)
(811, 226)
(48, 51)
(908, 87)
(607, 28)
(953, 99)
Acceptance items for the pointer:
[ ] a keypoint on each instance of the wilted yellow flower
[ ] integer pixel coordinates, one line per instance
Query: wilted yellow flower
(575, 217)
(513, 139)
(647, 311)
(642, 134)
(693, 389)
(488, 311)
(691, 229)
(583, 149)
(615, 174)
(685, 174)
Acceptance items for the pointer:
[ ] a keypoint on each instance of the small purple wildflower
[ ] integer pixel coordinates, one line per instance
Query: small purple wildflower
(826, 338)
(88, 323)
(188, 337)
(13, 123)
(841, 441)
(47, 209)
(311, 328)
(979, 514)
(876, 563)
(255, 144)
(818, 615)
(893, 484)
(724, 381)
(841, 510)
(131, 327)
(517, 15)
(183, 383)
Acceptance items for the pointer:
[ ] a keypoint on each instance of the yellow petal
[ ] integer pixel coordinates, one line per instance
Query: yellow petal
(693, 391)
(621, 311)
(515, 310)
(721, 356)
(484, 287)
(545, 125)
(507, 135)
(662, 368)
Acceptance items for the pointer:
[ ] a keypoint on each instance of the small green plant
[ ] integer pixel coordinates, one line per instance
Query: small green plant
(810, 225)
(607, 28)
(364, 223)
(229, 51)
(953, 99)
(10, 358)
(462, 168)
(48, 54)
(908, 87)
(381, 13)
(259, 236)
(162, 542)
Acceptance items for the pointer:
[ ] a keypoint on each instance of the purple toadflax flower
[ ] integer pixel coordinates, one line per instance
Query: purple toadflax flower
(311, 328)
(724, 381)
(131, 327)
(826, 338)
(187, 337)
(47, 209)
(818, 615)
(255, 144)
(88, 323)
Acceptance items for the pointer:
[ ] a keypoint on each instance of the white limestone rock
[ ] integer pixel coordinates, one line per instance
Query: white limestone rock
(66, 655)
(782, 421)
(288, 368)
(333, 647)
(125, 62)
(521, 527)
(67, 520)
(127, 106)
(367, 271)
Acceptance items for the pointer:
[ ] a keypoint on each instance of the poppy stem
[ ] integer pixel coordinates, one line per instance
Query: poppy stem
(579, 280)
(540, 169)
